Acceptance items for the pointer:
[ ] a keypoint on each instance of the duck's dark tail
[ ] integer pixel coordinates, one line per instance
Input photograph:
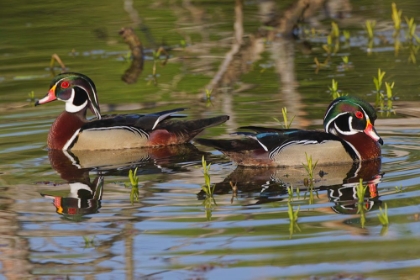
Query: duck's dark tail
(185, 131)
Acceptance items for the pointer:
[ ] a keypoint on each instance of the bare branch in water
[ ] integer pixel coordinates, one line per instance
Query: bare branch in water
(55, 58)
(131, 74)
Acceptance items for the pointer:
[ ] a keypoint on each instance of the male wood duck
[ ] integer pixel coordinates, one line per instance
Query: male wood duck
(349, 136)
(72, 131)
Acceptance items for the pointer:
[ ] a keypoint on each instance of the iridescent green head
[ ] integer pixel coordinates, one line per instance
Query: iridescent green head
(349, 115)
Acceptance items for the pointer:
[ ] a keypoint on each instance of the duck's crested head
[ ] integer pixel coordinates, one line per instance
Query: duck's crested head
(77, 90)
(349, 115)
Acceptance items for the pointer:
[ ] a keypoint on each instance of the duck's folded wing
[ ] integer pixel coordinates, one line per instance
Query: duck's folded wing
(145, 122)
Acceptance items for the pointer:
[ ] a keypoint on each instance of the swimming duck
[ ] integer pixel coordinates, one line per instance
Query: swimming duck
(73, 131)
(349, 136)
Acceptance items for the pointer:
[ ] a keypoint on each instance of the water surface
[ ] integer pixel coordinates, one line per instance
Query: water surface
(174, 230)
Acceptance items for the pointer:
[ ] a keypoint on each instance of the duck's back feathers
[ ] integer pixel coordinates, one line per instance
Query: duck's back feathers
(286, 147)
(134, 131)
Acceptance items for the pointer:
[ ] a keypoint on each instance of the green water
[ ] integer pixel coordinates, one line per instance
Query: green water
(167, 233)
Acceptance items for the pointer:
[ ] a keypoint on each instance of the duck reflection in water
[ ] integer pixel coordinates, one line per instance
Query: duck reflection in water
(339, 182)
(85, 195)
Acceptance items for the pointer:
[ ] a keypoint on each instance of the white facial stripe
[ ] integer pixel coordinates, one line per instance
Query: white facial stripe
(95, 97)
(59, 81)
(331, 106)
(352, 132)
(71, 108)
(364, 113)
(94, 92)
(328, 124)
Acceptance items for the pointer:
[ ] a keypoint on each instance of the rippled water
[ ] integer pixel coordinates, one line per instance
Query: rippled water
(73, 216)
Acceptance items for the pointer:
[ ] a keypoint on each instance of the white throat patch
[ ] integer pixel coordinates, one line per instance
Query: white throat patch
(70, 107)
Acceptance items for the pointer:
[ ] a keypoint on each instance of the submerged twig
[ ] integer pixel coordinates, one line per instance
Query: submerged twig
(131, 74)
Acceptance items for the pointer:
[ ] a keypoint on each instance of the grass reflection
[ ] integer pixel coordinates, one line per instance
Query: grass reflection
(209, 201)
(293, 218)
(361, 207)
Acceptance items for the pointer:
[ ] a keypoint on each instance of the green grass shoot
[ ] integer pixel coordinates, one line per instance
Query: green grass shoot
(346, 35)
(286, 123)
(134, 184)
(360, 191)
(208, 190)
(345, 59)
(389, 96)
(335, 93)
(396, 18)
(208, 93)
(370, 25)
(31, 96)
(383, 215)
(379, 80)
(328, 46)
(89, 242)
(335, 30)
(207, 184)
(332, 46)
(389, 88)
(361, 208)
(290, 193)
(310, 166)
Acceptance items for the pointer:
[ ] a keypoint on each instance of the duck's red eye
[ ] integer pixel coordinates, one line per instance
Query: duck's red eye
(65, 84)
(359, 115)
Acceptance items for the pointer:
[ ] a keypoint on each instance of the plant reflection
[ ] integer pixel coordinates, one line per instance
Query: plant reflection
(293, 218)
